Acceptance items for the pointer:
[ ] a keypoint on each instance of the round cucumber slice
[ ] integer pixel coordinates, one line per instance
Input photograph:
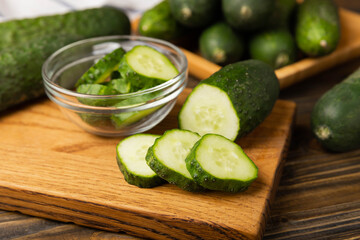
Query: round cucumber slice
(130, 154)
(209, 110)
(217, 163)
(149, 62)
(167, 158)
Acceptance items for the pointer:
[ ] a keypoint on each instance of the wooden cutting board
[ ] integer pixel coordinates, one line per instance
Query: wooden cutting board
(50, 168)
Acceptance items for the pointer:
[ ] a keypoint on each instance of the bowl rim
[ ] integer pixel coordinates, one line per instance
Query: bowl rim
(49, 83)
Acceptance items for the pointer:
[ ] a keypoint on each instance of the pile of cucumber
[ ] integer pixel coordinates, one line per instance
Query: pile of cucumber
(278, 32)
(201, 154)
(121, 72)
(25, 44)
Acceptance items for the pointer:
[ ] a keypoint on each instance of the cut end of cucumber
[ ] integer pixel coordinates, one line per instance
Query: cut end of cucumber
(149, 62)
(209, 110)
(224, 159)
(131, 152)
(172, 149)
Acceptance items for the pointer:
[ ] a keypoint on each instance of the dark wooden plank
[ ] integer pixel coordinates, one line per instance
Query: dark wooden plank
(319, 192)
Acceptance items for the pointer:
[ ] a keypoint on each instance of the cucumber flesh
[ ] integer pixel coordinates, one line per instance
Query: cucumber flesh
(209, 110)
(149, 62)
(131, 154)
(217, 163)
(167, 157)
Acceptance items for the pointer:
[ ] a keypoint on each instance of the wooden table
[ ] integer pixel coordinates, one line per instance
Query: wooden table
(319, 192)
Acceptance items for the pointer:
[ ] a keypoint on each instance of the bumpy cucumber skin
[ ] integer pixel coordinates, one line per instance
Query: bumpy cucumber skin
(103, 68)
(317, 30)
(195, 14)
(133, 179)
(247, 15)
(170, 175)
(220, 44)
(275, 47)
(253, 89)
(336, 115)
(207, 180)
(158, 22)
(25, 45)
(20, 75)
(85, 24)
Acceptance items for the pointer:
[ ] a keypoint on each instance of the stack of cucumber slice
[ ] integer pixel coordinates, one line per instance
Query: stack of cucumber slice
(183, 158)
(121, 72)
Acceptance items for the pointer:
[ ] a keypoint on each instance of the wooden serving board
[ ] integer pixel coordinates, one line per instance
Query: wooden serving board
(51, 168)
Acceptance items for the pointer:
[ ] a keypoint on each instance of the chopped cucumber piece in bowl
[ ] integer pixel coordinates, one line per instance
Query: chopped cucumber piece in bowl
(116, 85)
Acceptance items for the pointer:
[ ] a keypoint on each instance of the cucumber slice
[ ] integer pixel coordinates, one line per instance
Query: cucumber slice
(144, 67)
(149, 62)
(103, 68)
(96, 89)
(124, 119)
(217, 163)
(130, 154)
(209, 110)
(167, 158)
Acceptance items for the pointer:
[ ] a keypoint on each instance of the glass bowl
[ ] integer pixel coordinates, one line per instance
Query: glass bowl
(64, 67)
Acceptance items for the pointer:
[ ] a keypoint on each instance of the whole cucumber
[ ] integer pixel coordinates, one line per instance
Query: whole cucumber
(336, 116)
(25, 45)
(317, 30)
(158, 22)
(247, 15)
(195, 14)
(220, 44)
(275, 47)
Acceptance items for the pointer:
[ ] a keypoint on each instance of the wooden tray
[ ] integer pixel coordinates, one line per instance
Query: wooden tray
(348, 48)
(50, 168)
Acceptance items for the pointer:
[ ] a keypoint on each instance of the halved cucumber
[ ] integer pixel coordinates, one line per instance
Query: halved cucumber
(103, 68)
(130, 154)
(167, 158)
(232, 101)
(145, 67)
(217, 163)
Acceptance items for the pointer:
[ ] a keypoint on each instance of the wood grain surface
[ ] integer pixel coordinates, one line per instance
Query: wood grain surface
(52, 169)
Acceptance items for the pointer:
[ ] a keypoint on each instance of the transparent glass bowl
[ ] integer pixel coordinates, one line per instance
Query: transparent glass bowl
(64, 67)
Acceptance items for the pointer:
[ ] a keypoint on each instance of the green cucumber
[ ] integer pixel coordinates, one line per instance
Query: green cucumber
(281, 16)
(83, 23)
(145, 67)
(232, 101)
(336, 115)
(96, 89)
(158, 22)
(317, 30)
(121, 85)
(220, 44)
(130, 154)
(124, 119)
(103, 68)
(167, 158)
(195, 14)
(247, 15)
(26, 44)
(275, 47)
(216, 163)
